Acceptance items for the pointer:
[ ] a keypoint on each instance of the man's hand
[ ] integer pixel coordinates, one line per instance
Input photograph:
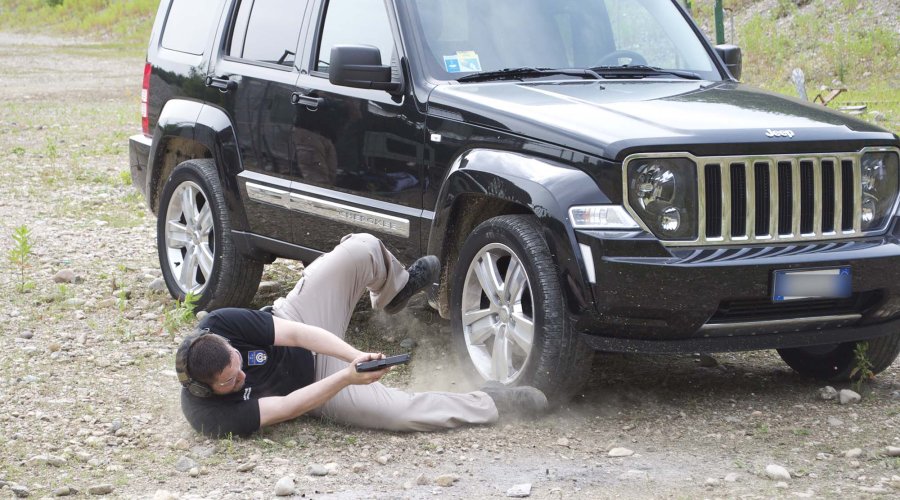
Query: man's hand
(356, 378)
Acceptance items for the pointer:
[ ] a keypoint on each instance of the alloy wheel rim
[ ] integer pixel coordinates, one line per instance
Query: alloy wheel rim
(498, 314)
(190, 238)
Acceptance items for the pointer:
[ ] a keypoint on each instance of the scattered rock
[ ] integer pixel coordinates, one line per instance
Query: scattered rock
(56, 461)
(158, 285)
(562, 442)
(446, 480)
(519, 491)
(246, 467)
(408, 343)
(331, 467)
(182, 444)
(422, 480)
(828, 393)
(634, 475)
(184, 464)
(849, 397)
(66, 276)
(620, 452)
(732, 477)
(20, 491)
(63, 491)
(316, 470)
(835, 422)
(268, 287)
(853, 453)
(358, 467)
(27, 335)
(777, 472)
(707, 361)
(781, 485)
(201, 314)
(194, 472)
(285, 487)
(100, 489)
(892, 451)
(383, 459)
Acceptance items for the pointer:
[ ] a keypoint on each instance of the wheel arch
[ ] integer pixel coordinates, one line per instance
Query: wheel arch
(189, 130)
(483, 183)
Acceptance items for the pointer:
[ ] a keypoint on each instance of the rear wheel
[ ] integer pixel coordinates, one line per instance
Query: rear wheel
(508, 312)
(835, 362)
(193, 239)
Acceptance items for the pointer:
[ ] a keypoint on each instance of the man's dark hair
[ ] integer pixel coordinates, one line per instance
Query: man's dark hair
(210, 354)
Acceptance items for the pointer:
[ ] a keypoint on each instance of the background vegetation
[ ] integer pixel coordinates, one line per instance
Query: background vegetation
(837, 43)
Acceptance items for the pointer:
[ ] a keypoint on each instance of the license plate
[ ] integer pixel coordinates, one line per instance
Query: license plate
(811, 284)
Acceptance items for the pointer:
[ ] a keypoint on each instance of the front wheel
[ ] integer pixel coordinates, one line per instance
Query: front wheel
(835, 362)
(193, 237)
(508, 312)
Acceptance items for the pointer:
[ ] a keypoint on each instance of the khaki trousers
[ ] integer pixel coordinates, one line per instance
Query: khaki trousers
(325, 297)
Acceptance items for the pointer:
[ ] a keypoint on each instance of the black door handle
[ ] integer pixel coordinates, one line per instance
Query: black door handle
(223, 84)
(306, 100)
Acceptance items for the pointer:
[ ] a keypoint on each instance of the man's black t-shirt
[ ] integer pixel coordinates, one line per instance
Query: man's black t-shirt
(271, 371)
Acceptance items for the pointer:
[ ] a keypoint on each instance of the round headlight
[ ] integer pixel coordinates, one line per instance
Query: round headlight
(654, 183)
(670, 220)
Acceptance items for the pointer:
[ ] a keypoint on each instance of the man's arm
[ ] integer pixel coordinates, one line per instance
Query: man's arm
(273, 410)
(313, 338)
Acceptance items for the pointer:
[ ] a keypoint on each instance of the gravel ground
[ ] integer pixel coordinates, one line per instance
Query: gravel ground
(88, 394)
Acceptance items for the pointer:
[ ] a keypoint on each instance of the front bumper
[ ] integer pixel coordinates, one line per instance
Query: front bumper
(139, 155)
(649, 298)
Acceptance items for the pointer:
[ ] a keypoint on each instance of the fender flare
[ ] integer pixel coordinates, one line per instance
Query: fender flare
(540, 187)
(208, 127)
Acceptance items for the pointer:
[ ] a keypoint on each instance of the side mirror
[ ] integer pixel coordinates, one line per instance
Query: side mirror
(731, 55)
(360, 66)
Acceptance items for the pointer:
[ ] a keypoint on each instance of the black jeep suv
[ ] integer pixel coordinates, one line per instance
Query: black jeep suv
(590, 173)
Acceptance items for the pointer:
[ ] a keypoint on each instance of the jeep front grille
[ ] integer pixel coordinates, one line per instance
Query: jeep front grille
(779, 198)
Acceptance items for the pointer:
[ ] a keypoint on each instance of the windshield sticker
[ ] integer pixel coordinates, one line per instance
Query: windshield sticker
(464, 61)
(451, 64)
(468, 61)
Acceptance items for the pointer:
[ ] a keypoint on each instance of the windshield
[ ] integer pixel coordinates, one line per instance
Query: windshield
(463, 37)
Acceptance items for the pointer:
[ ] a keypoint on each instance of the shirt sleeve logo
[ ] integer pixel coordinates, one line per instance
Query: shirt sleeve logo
(257, 358)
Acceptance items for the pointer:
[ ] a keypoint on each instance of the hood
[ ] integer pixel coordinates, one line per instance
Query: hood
(615, 118)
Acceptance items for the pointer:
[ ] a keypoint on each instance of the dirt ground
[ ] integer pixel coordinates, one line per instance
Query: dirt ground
(88, 394)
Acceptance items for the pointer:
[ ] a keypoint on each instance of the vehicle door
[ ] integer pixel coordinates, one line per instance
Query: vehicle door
(359, 152)
(257, 73)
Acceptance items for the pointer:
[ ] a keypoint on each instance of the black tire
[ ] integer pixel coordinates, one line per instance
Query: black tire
(216, 271)
(835, 362)
(558, 361)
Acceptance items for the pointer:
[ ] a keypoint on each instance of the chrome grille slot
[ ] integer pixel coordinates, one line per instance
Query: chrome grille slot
(781, 198)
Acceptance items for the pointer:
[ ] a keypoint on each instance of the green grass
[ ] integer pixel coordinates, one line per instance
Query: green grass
(126, 22)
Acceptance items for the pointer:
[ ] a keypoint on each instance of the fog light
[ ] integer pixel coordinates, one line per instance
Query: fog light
(670, 220)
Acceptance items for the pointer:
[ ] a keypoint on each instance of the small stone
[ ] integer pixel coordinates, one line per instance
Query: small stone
(853, 453)
(892, 451)
(201, 314)
(63, 491)
(562, 442)
(185, 464)
(828, 393)
(246, 467)
(158, 285)
(422, 480)
(194, 472)
(620, 452)
(519, 491)
(100, 489)
(331, 467)
(708, 361)
(316, 470)
(781, 485)
(268, 287)
(446, 480)
(732, 477)
(711, 481)
(777, 472)
(56, 461)
(20, 491)
(66, 276)
(285, 487)
(849, 397)
(408, 343)
(357, 467)
(182, 444)
(835, 422)
(383, 459)
(27, 335)
(823, 456)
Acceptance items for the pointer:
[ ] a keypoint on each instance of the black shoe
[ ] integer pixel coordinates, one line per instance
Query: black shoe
(522, 400)
(423, 272)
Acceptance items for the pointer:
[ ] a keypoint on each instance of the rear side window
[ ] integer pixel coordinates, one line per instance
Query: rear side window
(267, 31)
(188, 24)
